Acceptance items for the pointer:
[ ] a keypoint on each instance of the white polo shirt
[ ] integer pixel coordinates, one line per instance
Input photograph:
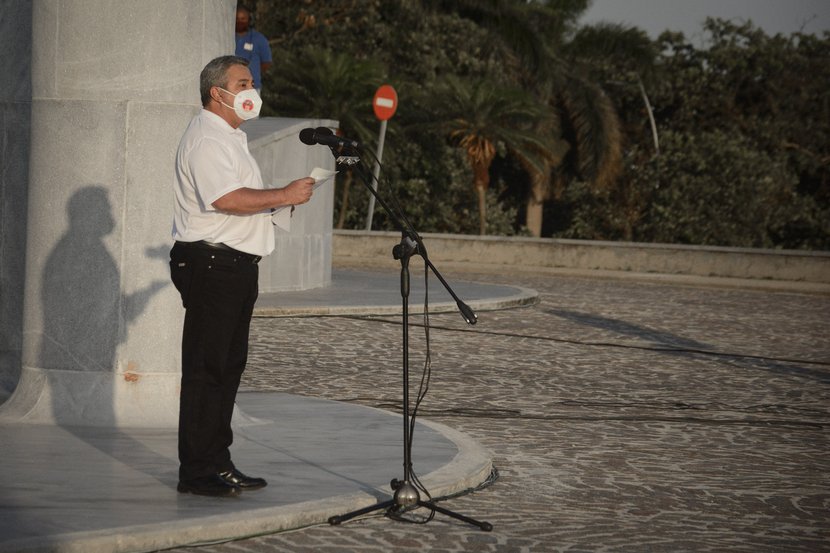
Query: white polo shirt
(212, 160)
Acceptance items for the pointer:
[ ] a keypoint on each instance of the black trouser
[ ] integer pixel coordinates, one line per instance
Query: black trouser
(218, 290)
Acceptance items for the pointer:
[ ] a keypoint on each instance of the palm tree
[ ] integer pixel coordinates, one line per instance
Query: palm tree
(479, 117)
(618, 56)
(581, 128)
(622, 59)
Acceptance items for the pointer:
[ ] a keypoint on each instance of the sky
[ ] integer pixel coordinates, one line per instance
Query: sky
(655, 16)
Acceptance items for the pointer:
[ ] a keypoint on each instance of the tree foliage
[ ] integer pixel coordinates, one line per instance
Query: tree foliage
(620, 137)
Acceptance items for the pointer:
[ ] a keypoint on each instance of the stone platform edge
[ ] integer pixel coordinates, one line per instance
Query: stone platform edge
(471, 467)
(807, 271)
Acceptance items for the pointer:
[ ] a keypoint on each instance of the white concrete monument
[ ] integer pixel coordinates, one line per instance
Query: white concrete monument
(111, 94)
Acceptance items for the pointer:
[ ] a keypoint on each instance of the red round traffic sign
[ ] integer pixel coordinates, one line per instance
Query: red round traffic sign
(385, 102)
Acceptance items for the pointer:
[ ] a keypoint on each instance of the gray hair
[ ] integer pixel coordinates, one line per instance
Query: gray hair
(215, 73)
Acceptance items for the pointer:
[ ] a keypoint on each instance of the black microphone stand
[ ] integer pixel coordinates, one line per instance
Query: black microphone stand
(406, 495)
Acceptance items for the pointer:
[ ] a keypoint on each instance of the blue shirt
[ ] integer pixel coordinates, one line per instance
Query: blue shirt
(254, 47)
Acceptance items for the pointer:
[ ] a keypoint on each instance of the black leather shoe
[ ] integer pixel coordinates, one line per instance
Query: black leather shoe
(211, 485)
(236, 478)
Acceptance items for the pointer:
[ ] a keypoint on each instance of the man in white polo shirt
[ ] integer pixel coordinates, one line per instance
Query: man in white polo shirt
(222, 228)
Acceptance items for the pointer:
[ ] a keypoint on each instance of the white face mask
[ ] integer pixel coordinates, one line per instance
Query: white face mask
(246, 104)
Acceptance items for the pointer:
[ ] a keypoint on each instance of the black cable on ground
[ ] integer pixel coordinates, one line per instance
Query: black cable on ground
(660, 349)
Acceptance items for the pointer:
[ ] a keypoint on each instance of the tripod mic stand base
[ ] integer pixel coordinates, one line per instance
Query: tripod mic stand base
(407, 497)
(406, 494)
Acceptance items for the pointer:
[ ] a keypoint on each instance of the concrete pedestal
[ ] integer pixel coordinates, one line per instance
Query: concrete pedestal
(302, 257)
(111, 92)
(110, 100)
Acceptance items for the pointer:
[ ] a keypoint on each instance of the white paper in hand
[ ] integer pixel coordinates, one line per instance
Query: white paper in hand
(281, 216)
(321, 176)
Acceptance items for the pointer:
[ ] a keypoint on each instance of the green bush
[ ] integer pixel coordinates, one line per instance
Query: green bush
(709, 188)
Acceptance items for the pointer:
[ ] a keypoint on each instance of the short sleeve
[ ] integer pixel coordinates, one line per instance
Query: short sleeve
(264, 49)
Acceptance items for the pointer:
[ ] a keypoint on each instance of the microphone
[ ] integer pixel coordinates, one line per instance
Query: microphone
(324, 136)
(467, 313)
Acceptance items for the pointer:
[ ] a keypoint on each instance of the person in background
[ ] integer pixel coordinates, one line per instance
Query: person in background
(252, 45)
(222, 227)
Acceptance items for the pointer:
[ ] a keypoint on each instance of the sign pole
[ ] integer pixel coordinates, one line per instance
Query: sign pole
(384, 104)
(376, 174)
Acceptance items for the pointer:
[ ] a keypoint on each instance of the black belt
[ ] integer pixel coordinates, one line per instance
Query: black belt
(219, 247)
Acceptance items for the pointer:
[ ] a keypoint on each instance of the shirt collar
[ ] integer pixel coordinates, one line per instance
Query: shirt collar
(221, 123)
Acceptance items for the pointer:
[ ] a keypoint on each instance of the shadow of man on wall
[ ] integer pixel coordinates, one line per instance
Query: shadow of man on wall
(85, 318)
(85, 314)
(81, 293)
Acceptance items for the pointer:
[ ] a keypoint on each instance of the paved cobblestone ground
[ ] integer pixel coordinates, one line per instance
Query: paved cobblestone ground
(622, 416)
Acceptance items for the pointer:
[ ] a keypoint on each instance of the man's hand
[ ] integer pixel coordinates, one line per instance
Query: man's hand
(243, 201)
(299, 191)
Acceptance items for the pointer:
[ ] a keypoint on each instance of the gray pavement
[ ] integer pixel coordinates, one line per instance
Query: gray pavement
(621, 415)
